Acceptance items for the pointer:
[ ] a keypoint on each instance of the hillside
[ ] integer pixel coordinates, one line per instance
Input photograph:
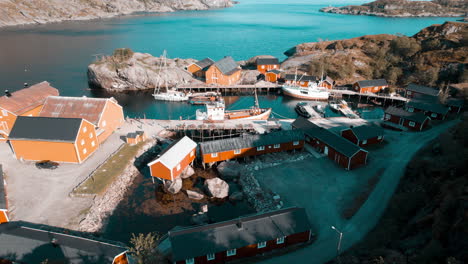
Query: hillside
(434, 56)
(404, 8)
(17, 12)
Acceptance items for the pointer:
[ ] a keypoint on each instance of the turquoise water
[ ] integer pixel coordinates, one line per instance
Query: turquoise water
(60, 53)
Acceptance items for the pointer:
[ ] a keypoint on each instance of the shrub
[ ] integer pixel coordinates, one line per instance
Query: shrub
(123, 54)
(405, 46)
(143, 248)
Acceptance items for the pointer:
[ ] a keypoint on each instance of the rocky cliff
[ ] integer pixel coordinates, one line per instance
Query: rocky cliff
(17, 12)
(404, 8)
(434, 56)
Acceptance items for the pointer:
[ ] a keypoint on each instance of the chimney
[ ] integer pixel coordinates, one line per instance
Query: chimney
(7, 93)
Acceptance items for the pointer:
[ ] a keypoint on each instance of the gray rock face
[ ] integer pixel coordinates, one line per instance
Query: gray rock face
(174, 186)
(217, 188)
(195, 195)
(249, 77)
(187, 173)
(229, 170)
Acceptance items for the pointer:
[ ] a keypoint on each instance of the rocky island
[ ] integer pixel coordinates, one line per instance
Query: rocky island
(46, 11)
(404, 8)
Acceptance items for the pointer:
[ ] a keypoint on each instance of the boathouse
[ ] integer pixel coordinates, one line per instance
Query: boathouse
(455, 105)
(266, 64)
(105, 113)
(363, 135)
(241, 238)
(223, 72)
(134, 138)
(24, 102)
(418, 91)
(3, 199)
(57, 139)
(370, 86)
(302, 80)
(272, 76)
(22, 242)
(174, 159)
(400, 119)
(250, 145)
(342, 151)
(328, 83)
(434, 110)
(199, 68)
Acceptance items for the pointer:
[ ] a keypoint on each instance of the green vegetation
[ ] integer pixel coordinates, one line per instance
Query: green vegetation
(143, 248)
(122, 54)
(109, 170)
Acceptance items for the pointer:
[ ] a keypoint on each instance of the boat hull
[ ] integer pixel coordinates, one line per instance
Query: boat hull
(169, 98)
(264, 115)
(295, 93)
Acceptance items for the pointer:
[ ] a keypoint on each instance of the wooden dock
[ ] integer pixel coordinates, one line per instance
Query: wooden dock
(240, 88)
(340, 93)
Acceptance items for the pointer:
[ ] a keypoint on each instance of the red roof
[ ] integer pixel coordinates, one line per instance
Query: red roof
(28, 98)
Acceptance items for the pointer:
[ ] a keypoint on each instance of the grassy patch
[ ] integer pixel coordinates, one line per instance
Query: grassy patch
(109, 170)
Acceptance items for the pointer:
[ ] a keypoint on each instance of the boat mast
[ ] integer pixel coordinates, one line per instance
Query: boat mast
(158, 87)
(257, 105)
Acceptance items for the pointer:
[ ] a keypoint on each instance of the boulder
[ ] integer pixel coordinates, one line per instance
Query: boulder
(237, 196)
(194, 195)
(173, 186)
(187, 173)
(229, 170)
(217, 188)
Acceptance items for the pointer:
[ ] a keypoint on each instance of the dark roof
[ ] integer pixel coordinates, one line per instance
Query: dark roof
(227, 65)
(372, 83)
(139, 132)
(251, 141)
(206, 62)
(275, 71)
(329, 80)
(455, 102)
(366, 132)
(45, 129)
(300, 77)
(207, 239)
(333, 140)
(3, 202)
(267, 61)
(422, 89)
(416, 117)
(431, 107)
(26, 243)
(132, 135)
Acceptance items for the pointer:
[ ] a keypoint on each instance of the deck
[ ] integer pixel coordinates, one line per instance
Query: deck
(339, 92)
(230, 88)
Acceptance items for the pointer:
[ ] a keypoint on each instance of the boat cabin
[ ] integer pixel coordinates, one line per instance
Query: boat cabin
(300, 80)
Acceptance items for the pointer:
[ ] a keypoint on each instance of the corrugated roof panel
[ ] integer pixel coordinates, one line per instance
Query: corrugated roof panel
(45, 129)
(27, 99)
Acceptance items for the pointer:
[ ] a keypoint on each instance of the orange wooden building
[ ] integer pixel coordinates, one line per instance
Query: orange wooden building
(272, 76)
(328, 83)
(24, 102)
(199, 68)
(3, 199)
(223, 72)
(174, 159)
(251, 145)
(370, 86)
(302, 80)
(267, 64)
(105, 113)
(135, 137)
(57, 139)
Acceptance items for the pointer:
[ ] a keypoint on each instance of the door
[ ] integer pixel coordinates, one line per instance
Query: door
(325, 150)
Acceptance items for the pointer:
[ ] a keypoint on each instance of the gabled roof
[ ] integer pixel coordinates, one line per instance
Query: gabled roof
(275, 71)
(206, 62)
(422, 89)
(366, 132)
(27, 99)
(372, 83)
(329, 80)
(434, 107)
(302, 78)
(267, 61)
(416, 117)
(135, 134)
(87, 108)
(3, 202)
(208, 239)
(26, 243)
(251, 141)
(227, 65)
(455, 102)
(302, 123)
(45, 129)
(175, 152)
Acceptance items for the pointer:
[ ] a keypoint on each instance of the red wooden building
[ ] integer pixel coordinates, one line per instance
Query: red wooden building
(434, 109)
(250, 145)
(199, 68)
(3, 199)
(418, 91)
(370, 86)
(267, 64)
(272, 76)
(455, 105)
(400, 119)
(342, 151)
(363, 135)
(237, 239)
(302, 80)
(174, 159)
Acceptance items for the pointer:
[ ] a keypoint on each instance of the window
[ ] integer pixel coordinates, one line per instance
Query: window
(261, 148)
(295, 143)
(90, 135)
(364, 141)
(263, 66)
(85, 151)
(280, 240)
(276, 146)
(210, 256)
(231, 252)
(433, 115)
(104, 123)
(412, 124)
(85, 129)
(214, 155)
(274, 66)
(92, 143)
(189, 261)
(237, 151)
(411, 109)
(82, 142)
(261, 244)
(379, 137)
(178, 167)
(4, 113)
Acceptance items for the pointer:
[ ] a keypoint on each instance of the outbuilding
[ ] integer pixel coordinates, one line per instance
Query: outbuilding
(24, 102)
(363, 135)
(434, 109)
(223, 72)
(301, 80)
(174, 159)
(272, 76)
(134, 138)
(370, 86)
(418, 91)
(238, 239)
(328, 83)
(200, 67)
(57, 139)
(267, 64)
(3, 199)
(455, 105)
(400, 119)
(250, 145)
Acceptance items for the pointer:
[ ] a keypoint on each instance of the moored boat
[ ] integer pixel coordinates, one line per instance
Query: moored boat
(310, 92)
(172, 96)
(300, 110)
(203, 98)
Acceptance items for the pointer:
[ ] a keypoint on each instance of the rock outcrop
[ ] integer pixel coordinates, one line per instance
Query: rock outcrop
(217, 188)
(404, 8)
(46, 11)
(173, 186)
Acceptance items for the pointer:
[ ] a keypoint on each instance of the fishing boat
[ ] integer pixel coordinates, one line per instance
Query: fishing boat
(204, 98)
(300, 110)
(311, 92)
(168, 95)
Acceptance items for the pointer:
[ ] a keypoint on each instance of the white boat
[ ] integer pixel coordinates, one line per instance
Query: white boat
(168, 95)
(310, 92)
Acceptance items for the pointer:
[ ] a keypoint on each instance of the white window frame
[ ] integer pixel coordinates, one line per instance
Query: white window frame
(85, 151)
(4, 112)
(408, 92)
(178, 167)
(231, 252)
(295, 143)
(433, 115)
(210, 256)
(214, 155)
(93, 143)
(261, 244)
(280, 240)
(104, 123)
(412, 124)
(379, 137)
(277, 146)
(190, 261)
(82, 142)
(364, 141)
(85, 129)
(261, 148)
(237, 151)
(274, 66)
(90, 135)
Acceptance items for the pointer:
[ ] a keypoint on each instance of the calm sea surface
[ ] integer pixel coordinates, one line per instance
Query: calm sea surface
(60, 53)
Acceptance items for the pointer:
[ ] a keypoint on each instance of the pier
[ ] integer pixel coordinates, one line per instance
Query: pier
(238, 88)
(338, 93)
